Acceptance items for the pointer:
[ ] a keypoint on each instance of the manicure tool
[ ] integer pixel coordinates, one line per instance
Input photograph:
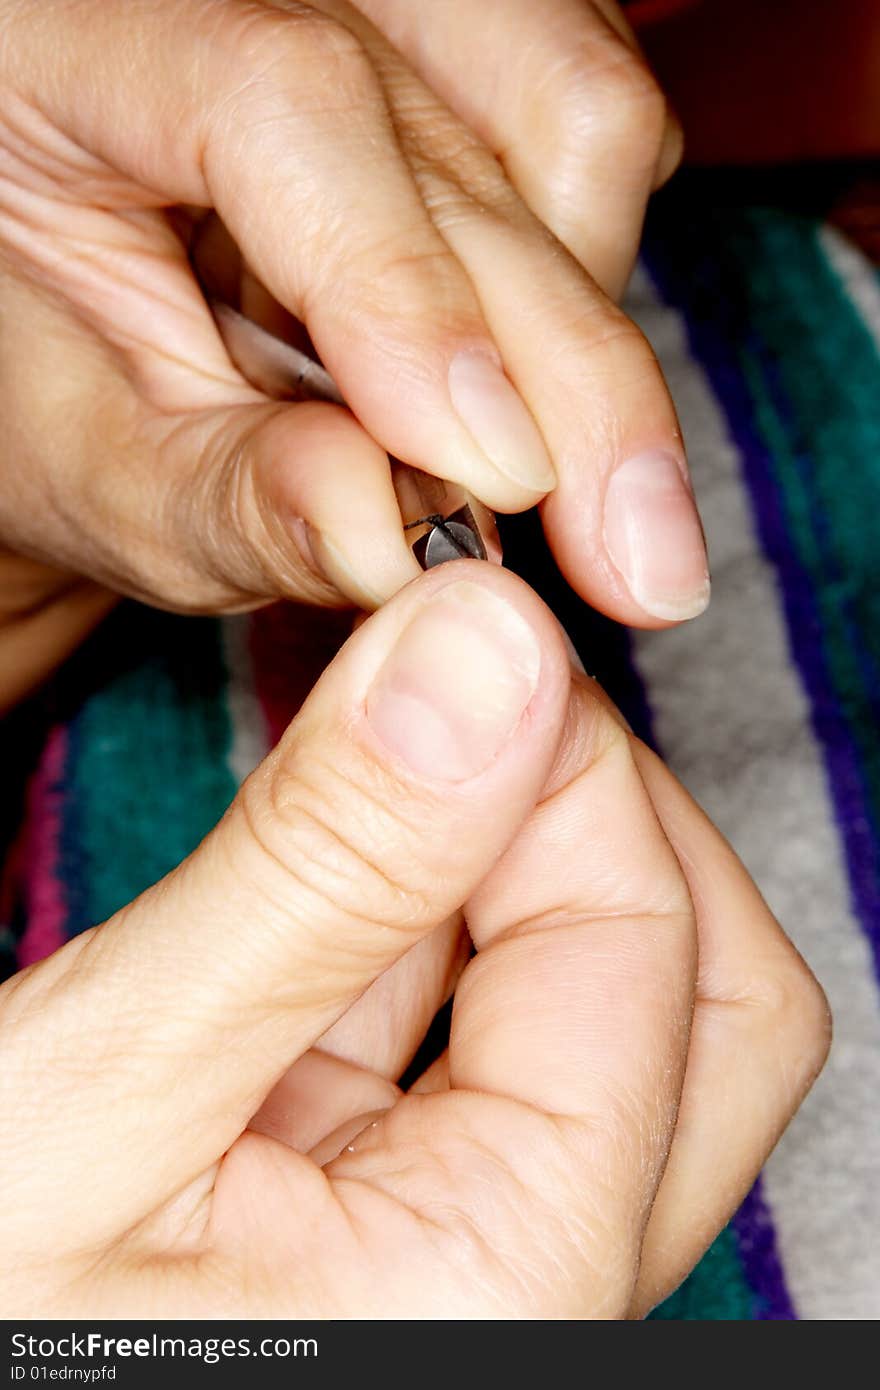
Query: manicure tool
(446, 522)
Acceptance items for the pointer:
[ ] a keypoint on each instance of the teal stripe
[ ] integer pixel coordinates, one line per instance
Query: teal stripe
(716, 1291)
(150, 773)
(814, 374)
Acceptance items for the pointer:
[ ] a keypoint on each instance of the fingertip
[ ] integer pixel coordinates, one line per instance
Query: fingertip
(368, 561)
(671, 149)
(653, 537)
(457, 687)
(499, 422)
(633, 545)
(327, 492)
(473, 665)
(442, 400)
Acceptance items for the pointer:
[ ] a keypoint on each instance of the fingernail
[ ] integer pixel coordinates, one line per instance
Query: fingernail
(326, 562)
(335, 566)
(653, 535)
(498, 421)
(345, 1135)
(456, 683)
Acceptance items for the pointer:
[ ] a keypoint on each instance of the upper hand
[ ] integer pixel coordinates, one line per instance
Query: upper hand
(412, 240)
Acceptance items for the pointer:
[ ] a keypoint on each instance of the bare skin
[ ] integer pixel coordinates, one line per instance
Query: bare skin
(453, 253)
(226, 1137)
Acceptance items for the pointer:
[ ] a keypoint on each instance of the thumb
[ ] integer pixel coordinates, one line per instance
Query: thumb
(408, 771)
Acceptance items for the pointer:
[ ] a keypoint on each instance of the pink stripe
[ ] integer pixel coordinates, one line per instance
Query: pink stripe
(44, 890)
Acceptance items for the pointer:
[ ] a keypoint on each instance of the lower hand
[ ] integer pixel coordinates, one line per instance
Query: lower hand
(198, 1107)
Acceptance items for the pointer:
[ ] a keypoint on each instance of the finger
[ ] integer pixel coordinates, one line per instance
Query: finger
(650, 530)
(344, 241)
(564, 98)
(436, 1078)
(759, 1038)
(403, 778)
(625, 531)
(44, 615)
(672, 145)
(349, 1074)
(622, 519)
(385, 1028)
(221, 507)
(292, 501)
(318, 1098)
(567, 1053)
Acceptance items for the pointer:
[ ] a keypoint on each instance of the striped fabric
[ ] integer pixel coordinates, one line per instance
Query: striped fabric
(768, 327)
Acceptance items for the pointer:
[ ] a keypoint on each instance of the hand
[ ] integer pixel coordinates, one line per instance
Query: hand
(562, 96)
(44, 615)
(197, 1105)
(134, 453)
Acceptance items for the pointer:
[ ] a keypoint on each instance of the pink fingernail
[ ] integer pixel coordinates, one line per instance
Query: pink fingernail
(653, 535)
(493, 413)
(456, 683)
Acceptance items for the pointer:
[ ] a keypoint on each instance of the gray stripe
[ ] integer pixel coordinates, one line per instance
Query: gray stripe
(732, 719)
(857, 275)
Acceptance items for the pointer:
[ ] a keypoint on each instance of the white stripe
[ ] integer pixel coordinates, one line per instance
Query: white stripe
(732, 719)
(250, 734)
(859, 277)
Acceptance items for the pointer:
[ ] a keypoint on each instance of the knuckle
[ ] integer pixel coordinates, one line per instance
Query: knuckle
(405, 270)
(466, 182)
(625, 355)
(267, 37)
(196, 520)
(611, 102)
(610, 349)
(402, 294)
(797, 1017)
(630, 101)
(333, 834)
(327, 47)
(227, 546)
(328, 36)
(453, 168)
(671, 149)
(283, 61)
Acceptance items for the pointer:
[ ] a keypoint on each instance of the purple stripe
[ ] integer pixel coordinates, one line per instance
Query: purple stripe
(756, 1244)
(846, 786)
(753, 1224)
